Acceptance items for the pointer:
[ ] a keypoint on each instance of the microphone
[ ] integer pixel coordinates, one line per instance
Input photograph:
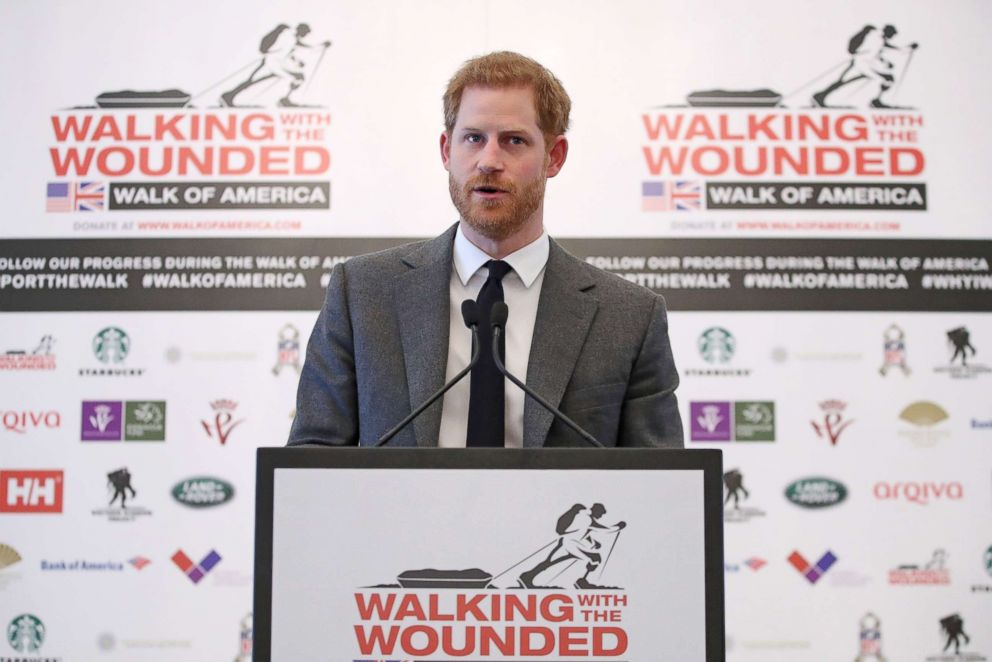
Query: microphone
(470, 315)
(497, 318)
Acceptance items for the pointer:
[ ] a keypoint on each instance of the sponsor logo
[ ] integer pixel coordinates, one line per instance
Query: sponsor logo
(977, 424)
(987, 564)
(288, 350)
(717, 346)
(833, 422)
(111, 347)
(782, 354)
(38, 358)
(932, 572)
(870, 639)
(118, 486)
(953, 635)
(752, 420)
(247, 637)
(115, 420)
(261, 146)
(894, 351)
(82, 566)
(31, 491)
(754, 564)
(558, 621)
(26, 633)
(812, 572)
(21, 421)
(8, 556)
(759, 149)
(223, 422)
(961, 348)
(919, 493)
(816, 492)
(196, 571)
(139, 562)
(733, 482)
(924, 417)
(203, 492)
(176, 354)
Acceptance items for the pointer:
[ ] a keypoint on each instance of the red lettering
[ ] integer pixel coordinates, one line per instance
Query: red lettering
(722, 161)
(661, 125)
(843, 161)
(375, 641)
(865, 158)
(915, 157)
(406, 640)
(273, 160)
(410, 607)
(375, 607)
(656, 165)
(435, 610)
(106, 127)
(227, 165)
(571, 639)
(72, 125)
(699, 126)
(103, 161)
(322, 164)
(598, 641)
(527, 647)
(71, 160)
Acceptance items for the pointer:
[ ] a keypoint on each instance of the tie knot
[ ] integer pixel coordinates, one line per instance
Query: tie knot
(498, 269)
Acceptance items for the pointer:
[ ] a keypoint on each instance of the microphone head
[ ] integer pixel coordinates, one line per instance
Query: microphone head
(499, 314)
(470, 313)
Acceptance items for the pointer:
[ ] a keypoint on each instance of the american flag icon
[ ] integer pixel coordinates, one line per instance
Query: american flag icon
(75, 196)
(678, 195)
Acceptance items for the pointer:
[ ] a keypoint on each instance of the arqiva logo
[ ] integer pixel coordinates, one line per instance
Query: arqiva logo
(919, 493)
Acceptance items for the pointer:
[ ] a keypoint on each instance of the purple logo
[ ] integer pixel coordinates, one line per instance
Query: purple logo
(101, 421)
(710, 421)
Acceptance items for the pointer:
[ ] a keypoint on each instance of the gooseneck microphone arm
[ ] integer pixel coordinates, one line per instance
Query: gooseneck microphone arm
(470, 315)
(497, 318)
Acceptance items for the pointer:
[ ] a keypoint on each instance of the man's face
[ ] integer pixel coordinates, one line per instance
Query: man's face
(498, 162)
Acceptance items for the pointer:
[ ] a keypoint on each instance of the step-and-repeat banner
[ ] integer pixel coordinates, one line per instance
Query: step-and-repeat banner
(806, 183)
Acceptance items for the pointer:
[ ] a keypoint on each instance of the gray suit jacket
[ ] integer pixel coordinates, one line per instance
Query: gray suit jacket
(600, 352)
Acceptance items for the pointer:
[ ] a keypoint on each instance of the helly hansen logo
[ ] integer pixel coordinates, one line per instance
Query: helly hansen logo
(31, 491)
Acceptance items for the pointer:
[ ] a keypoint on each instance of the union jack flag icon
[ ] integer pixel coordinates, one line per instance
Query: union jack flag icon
(678, 195)
(75, 196)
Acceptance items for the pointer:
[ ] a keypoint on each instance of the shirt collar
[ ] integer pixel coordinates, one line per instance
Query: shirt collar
(527, 262)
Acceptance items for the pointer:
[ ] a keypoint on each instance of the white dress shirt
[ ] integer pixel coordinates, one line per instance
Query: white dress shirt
(521, 291)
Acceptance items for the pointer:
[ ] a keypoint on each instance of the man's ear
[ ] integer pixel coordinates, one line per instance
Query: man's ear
(445, 150)
(557, 155)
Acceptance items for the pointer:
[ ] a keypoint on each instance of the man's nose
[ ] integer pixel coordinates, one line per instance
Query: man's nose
(491, 157)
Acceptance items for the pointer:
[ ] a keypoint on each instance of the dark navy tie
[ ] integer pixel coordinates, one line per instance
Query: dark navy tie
(486, 404)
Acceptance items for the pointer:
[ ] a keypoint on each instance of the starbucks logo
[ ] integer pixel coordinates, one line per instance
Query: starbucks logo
(111, 345)
(988, 560)
(716, 345)
(26, 633)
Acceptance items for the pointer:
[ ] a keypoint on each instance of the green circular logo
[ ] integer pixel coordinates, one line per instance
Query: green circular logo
(26, 633)
(716, 344)
(111, 345)
(988, 560)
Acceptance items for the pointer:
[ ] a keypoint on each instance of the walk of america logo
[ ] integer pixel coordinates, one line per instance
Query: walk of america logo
(733, 483)
(552, 602)
(894, 351)
(870, 639)
(833, 423)
(38, 357)
(816, 492)
(32, 491)
(195, 572)
(223, 422)
(919, 493)
(21, 421)
(111, 346)
(751, 420)
(248, 140)
(288, 350)
(925, 418)
(128, 420)
(119, 487)
(933, 572)
(761, 149)
(954, 636)
(961, 350)
(717, 347)
(813, 572)
(247, 638)
(203, 492)
(754, 564)
(8, 556)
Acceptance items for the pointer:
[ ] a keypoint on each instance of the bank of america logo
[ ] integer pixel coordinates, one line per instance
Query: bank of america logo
(196, 571)
(678, 195)
(812, 572)
(75, 196)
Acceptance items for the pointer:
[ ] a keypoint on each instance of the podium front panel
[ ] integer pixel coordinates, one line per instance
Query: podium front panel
(420, 554)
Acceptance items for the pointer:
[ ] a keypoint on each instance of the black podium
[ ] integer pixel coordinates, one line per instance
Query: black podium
(488, 554)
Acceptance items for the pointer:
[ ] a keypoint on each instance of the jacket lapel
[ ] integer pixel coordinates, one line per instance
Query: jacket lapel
(420, 298)
(564, 313)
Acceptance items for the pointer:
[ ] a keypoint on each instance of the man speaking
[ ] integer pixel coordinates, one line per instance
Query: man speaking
(391, 331)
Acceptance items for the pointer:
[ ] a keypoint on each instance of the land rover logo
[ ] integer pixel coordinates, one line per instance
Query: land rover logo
(815, 492)
(203, 492)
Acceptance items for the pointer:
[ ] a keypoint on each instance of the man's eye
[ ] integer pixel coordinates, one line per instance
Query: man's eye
(473, 138)
(517, 140)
